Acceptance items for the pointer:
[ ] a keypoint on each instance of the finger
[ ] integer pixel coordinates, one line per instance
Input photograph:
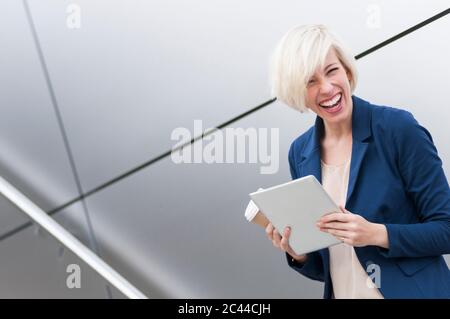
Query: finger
(269, 231)
(287, 232)
(335, 217)
(335, 225)
(347, 241)
(284, 244)
(338, 233)
(291, 252)
(276, 237)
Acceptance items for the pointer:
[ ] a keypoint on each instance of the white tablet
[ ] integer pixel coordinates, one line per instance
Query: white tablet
(300, 204)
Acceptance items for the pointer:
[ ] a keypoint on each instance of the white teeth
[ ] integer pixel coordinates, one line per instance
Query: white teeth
(332, 101)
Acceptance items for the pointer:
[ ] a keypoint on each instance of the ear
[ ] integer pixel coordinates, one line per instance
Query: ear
(349, 75)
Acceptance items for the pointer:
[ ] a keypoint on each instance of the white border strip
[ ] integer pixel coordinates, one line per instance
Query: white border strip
(68, 240)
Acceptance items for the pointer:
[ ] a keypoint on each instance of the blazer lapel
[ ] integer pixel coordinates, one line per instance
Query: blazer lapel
(361, 132)
(311, 165)
(358, 152)
(310, 160)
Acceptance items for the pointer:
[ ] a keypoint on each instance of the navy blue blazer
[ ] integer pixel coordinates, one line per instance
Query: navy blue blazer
(396, 179)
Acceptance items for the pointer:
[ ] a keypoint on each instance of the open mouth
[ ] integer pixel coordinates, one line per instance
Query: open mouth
(333, 105)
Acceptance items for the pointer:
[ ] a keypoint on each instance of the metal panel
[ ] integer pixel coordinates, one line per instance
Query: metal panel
(32, 154)
(134, 70)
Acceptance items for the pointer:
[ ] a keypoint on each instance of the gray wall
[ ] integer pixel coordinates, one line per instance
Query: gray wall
(118, 86)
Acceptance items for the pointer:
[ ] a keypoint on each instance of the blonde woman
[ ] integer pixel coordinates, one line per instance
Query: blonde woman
(378, 164)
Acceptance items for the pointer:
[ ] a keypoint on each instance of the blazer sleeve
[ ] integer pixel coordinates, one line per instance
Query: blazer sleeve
(313, 267)
(425, 183)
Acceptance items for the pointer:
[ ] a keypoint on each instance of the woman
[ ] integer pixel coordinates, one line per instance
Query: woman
(375, 161)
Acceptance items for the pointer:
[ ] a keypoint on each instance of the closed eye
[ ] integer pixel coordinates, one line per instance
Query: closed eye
(332, 70)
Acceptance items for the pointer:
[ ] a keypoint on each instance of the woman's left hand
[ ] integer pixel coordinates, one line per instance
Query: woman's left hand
(353, 229)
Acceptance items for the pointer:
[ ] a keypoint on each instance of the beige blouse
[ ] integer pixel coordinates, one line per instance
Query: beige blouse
(349, 278)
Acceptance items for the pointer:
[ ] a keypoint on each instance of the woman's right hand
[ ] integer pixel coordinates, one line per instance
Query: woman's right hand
(282, 242)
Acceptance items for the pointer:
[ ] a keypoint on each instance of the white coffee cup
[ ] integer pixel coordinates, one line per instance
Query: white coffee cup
(254, 215)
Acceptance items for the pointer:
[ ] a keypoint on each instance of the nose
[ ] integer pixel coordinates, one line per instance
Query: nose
(326, 87)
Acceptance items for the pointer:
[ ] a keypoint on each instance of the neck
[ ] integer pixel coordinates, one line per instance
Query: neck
(339, 131)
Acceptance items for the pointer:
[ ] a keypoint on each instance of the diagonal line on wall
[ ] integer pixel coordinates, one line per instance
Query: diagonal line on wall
(234, 119)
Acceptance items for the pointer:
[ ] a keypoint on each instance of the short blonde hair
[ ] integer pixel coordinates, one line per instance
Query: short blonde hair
(298, 55)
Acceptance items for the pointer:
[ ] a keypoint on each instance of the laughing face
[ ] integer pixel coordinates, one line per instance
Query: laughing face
(328, 92)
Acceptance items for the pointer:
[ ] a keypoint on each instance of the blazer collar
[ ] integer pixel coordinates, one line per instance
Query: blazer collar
(361, 123)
